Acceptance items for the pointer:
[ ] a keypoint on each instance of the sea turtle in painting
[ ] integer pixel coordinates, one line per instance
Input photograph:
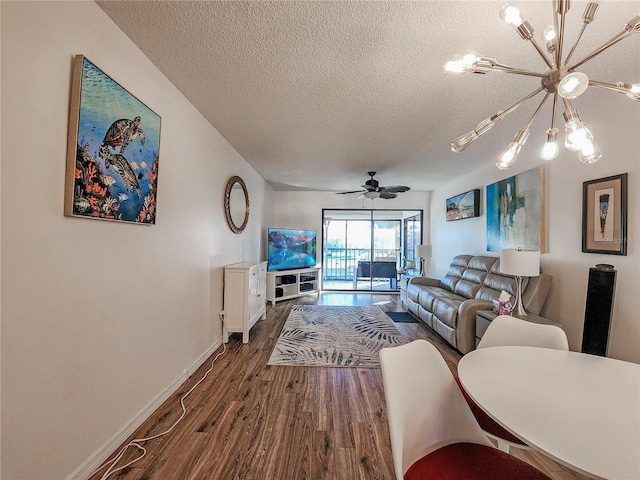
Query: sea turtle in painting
(122, 132)
(121, 165)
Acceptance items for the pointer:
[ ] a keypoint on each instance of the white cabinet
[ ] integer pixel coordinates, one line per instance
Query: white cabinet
(244, 297)
(286, 284)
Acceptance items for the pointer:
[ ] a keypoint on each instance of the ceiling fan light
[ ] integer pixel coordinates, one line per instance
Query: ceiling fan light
(372, 195)
(573, 85)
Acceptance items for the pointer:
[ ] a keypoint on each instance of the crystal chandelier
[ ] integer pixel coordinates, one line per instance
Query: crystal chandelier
(561, 78)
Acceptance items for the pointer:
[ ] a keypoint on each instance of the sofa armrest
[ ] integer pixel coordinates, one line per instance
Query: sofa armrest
(429, 282)
(466, 329)
(535, 295)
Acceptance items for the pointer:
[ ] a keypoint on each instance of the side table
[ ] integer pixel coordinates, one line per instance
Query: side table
(484, 317)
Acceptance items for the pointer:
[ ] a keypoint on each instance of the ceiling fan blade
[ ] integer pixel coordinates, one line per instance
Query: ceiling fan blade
(396, 189)
(388, 195)
(353, 191)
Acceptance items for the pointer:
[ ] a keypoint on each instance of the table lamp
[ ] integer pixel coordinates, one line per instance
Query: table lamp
(422, 252)
(520, 263)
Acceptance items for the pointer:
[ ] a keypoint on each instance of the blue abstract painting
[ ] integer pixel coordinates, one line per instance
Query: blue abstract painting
(515, 212)
(112, 159)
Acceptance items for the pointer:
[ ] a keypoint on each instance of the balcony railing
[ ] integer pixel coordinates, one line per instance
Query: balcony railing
(341, 263)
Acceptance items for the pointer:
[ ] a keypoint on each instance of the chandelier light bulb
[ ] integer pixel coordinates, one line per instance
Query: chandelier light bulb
(463, 141)
(461, 64)
(590, 154)
(549, 33)
(550, 149)
(573, 85)
(634, 92)
(509, 155)
(511, 15)
(578, 137)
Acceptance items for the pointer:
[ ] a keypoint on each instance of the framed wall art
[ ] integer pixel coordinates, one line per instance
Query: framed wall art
(464, 205)
(515, 212)
(604, 215)
(112, 151)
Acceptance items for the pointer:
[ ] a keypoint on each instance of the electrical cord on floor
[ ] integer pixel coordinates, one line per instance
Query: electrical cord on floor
(137, 441)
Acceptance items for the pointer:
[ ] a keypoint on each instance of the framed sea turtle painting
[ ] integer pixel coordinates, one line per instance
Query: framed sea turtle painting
(112, 151)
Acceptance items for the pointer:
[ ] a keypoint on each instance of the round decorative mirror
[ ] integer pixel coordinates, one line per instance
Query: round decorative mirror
(236, 204)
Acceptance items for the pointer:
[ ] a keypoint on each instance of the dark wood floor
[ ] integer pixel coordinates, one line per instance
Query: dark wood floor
(253, 421)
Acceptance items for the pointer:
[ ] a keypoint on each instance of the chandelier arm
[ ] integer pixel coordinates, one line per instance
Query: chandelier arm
(607, 86)
(566, 60)
(553, 110)
(554, 4)
(617, 38)
(588, 16)
(619, 87)
(541, 52)
(517, 71)
(504, 113)
(535, 114)
(563, 7)
(521, 101)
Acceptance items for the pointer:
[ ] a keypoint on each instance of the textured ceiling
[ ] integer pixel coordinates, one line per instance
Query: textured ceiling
(314, 94)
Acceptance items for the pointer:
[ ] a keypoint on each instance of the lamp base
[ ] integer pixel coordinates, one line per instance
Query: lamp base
(519, 308)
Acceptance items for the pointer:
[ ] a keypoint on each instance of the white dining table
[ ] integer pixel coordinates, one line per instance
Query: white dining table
(582, 410)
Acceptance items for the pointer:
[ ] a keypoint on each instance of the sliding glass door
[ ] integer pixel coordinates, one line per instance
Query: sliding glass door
(363, 250)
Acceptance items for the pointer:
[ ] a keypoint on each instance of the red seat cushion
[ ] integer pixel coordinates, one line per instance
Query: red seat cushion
(487, 423)
(471, 461)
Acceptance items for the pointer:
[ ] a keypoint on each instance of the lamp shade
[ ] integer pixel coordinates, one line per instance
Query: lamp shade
(423, 251)
(524, 263)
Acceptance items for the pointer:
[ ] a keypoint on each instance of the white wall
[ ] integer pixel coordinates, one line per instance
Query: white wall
(616, 131)
(100, 319)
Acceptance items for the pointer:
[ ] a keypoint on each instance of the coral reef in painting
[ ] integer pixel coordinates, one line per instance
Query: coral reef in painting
(94, 194)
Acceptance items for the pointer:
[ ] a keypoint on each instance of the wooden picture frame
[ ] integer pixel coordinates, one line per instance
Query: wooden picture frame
(604, 215)
(464, 205)
(112, 150)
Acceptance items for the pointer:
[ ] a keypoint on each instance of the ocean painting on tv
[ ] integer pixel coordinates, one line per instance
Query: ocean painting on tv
(289, 249)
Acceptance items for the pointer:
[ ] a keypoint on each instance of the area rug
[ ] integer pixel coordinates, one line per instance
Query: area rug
(333, 336)
(402, 317)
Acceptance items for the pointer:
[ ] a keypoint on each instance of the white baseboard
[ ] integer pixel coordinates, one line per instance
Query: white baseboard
(99, 456)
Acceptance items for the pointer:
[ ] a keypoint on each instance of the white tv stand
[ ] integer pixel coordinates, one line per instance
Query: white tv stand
(287, 284)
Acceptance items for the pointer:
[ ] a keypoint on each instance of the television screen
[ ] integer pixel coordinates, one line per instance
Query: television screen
(289, 249)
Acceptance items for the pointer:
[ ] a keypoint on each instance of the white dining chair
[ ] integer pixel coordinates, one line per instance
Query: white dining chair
(433, 432)
(505, 330)
(502, 331)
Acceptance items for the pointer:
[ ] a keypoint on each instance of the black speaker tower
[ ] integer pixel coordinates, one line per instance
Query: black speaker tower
(599, 307)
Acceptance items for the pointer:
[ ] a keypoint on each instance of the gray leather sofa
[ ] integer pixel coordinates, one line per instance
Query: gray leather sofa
(449, 305)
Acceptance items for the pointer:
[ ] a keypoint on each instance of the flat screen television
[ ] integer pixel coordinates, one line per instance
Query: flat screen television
(289, 249)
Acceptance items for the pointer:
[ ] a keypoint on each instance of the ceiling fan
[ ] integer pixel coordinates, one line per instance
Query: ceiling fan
(372, 189)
